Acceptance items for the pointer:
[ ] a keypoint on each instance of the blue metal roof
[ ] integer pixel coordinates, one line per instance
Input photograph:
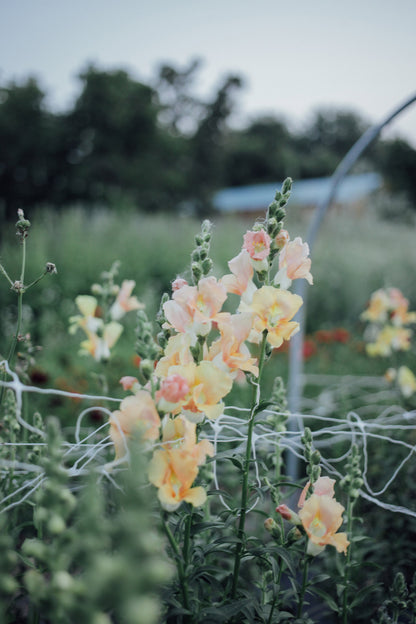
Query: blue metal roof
(304, 192)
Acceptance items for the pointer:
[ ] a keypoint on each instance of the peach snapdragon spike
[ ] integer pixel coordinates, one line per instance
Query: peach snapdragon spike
(137, 412)
(320, 515)
(174, 468)
(206, 351)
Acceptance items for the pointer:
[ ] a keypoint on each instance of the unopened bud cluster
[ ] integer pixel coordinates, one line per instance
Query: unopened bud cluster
(22, 225)
(312, 456)
(164, 333)
(276, 213)
(146, 346)
(201, 263)
(353, 481)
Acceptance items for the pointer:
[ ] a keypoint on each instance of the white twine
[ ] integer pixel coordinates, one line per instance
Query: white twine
(230, 428)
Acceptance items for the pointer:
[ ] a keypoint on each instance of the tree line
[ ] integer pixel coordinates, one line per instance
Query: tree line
(159, 147)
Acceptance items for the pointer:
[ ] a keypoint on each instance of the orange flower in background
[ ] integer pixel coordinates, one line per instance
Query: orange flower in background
(139, 412)
(125, 302)
(294, 263)
(273, 309)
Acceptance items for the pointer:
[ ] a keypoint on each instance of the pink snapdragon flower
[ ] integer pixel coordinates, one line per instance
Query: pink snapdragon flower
(128, 382)
(257, 244)
(230, 350)
(294, 263)
(240, 281)
(178, 283)
(174, 388)
(125, 302)
(192, 309)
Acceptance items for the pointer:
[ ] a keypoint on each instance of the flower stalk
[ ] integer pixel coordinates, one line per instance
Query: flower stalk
(244, 491)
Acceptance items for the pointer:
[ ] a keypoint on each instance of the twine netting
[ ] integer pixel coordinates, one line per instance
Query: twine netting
(374, 418)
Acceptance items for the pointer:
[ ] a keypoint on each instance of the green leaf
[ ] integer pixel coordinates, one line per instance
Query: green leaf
(362, 593)
(326, 597)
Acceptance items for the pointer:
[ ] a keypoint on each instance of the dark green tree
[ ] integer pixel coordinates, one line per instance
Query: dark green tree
(27, 135)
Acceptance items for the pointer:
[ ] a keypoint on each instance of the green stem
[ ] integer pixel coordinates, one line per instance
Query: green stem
(36, 281)
(303, 588)
(345, 613)
(6, 275)
(19, 316)
(274, 602)
(179, 564)
(187, 539)
(244, 490)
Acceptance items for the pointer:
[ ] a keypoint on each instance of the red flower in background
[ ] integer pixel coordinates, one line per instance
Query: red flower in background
(309, 348)
(341, 335)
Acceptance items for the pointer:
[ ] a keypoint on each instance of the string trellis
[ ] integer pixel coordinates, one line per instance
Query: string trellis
(374, 417)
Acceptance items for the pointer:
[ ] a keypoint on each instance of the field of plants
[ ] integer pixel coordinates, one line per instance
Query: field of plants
(147, 449)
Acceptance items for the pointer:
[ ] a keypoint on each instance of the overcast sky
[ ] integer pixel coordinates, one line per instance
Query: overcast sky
(295, 56)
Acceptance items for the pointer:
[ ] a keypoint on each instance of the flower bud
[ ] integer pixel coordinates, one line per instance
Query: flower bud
(206, 265)
(282, 238)
(294, 535)
(287, 186)
(288, 514)
(146, 368)
(275, 529)
(196, 271)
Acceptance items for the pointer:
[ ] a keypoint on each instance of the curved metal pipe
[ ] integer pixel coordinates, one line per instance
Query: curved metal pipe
(296, 343)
